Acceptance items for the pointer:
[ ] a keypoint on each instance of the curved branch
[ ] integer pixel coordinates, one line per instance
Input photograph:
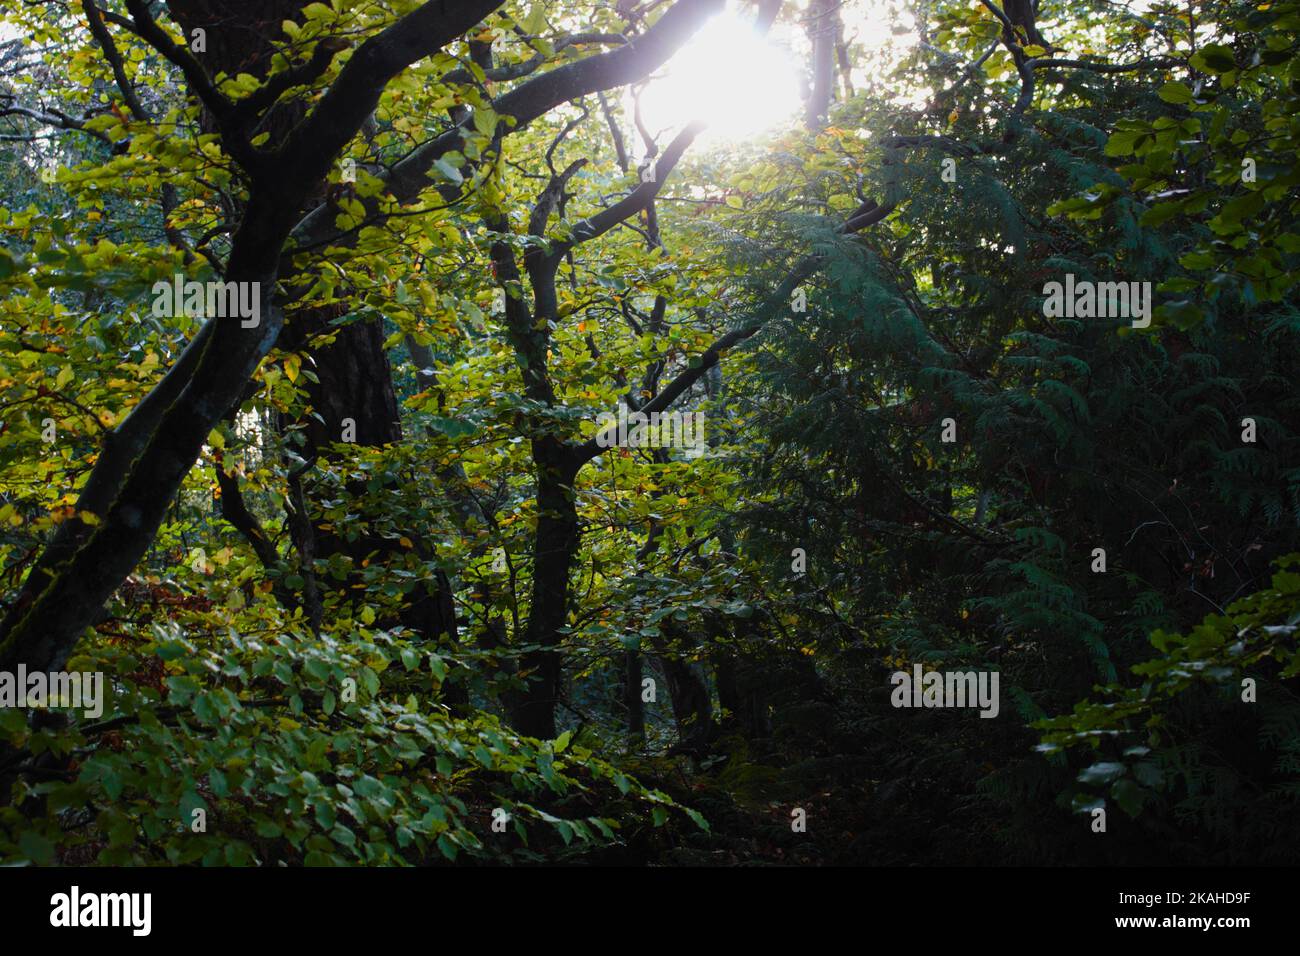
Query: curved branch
(530, 100)
(57, 119)
(868, 214)
(351, 98)
(109, 48)
(637, 200)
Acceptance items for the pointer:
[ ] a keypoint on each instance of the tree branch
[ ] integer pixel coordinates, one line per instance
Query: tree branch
(148, 30)
(350, 100)
(1155, 64)
(109, 48)
(514, 71)
(265, 96)
(530, 100)
(637, 200)
(57, 119)
(869, 213)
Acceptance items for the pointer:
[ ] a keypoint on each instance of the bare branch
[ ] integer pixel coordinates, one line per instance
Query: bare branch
(106, 44)
(635, 201)
(56, 119)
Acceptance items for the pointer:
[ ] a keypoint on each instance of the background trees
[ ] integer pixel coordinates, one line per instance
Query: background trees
(331, 559)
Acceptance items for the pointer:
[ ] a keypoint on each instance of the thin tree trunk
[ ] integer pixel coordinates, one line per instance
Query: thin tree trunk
(632, 701)
(822, 29)
(554, 548)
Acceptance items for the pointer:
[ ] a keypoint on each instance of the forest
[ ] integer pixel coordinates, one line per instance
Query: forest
(669, 433)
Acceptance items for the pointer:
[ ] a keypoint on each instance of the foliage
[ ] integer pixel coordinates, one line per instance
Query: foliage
(1164, 743)
(353, 648)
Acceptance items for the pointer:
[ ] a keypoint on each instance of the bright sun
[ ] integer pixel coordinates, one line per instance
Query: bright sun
(739, 83)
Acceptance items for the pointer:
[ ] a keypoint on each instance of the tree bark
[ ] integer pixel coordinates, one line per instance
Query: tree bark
(554, 547)
(823, 29)
(66, 589)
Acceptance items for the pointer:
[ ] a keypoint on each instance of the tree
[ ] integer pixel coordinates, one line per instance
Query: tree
(365, 490)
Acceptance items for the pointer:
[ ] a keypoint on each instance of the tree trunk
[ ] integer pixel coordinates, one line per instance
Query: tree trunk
(691, 700)
(692, 707)
(823, 29)
(355, 390)
(632, 702)
(355, 378)
(554, 548)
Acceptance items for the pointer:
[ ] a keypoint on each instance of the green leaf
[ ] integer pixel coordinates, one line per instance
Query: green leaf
(36, 848)
(1103, 772)
(1128, 795)
(1123, 142)
(535, 22)
(449, 171)
(1214, 58)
